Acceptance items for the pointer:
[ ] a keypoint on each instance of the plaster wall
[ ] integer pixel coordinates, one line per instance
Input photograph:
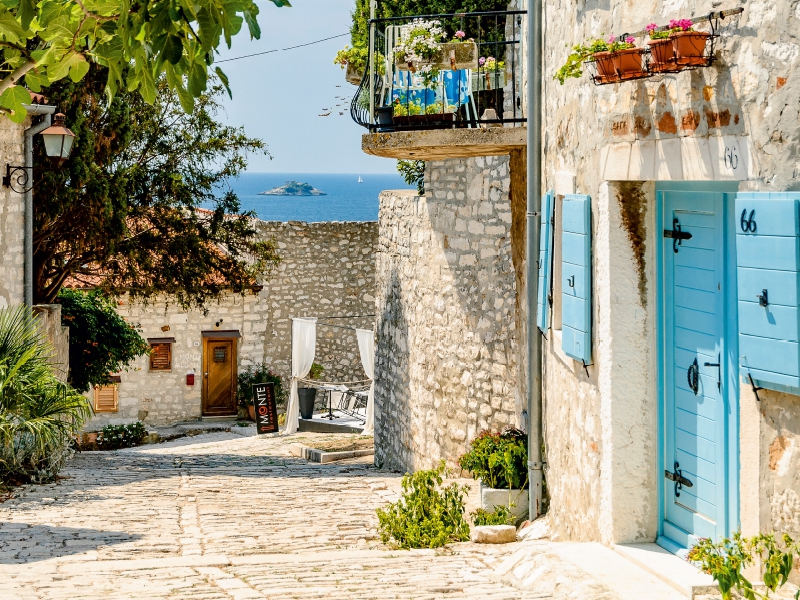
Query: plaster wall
(738, 120)
(12, 216)
(326, 269)
(447, 351)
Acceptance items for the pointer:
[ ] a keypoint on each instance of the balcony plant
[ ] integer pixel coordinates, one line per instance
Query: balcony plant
(354, 61)
(627, 59)
(689, 45)
(573, 67)
(499, 461)
(662, 55)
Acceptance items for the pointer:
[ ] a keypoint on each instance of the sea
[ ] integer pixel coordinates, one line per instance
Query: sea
(345, 199)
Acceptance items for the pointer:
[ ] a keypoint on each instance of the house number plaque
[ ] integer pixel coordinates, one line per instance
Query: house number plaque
(265, 408)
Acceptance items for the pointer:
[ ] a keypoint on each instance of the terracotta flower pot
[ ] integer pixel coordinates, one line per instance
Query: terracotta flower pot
(628, 63)
(605, 67)
(251, 410)
(690, 47)
(662, 56)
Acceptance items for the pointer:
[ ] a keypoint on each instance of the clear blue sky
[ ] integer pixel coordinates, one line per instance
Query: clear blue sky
(277, 97)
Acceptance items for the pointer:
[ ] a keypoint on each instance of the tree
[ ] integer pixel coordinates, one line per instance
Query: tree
(100, 341)
(50, 40)
(124, 213)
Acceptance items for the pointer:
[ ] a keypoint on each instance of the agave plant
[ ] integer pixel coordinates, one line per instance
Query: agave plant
(39, 414)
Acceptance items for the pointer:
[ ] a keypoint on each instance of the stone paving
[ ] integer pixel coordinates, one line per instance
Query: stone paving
(225, 516)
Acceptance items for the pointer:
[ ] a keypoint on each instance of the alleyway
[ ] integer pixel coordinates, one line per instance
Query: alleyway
(225, 516)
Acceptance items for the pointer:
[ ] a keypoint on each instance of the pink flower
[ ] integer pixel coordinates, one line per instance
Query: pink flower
(630, 39)
(481, 61)
(651, 28)
(673, 24)
(611, 39)
(460, 34)
(685, 24)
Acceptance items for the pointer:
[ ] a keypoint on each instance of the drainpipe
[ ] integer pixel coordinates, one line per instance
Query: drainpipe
(534, 191)
(47, 111)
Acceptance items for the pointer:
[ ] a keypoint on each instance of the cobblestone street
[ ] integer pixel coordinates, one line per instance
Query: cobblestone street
(226, 516)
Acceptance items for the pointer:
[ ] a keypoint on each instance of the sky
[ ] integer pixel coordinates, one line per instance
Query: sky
(278, 97)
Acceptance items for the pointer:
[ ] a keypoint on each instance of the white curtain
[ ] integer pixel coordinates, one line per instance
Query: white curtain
(366, 347)
(304, 345)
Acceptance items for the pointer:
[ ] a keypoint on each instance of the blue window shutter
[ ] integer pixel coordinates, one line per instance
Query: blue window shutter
(545, 261)
(767, 229)
(576, 274)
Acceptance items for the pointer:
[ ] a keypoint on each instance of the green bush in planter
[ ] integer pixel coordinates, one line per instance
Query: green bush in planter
(500, 460)
(121, 436)
(428, 515)
(500, 516)
(259, 373)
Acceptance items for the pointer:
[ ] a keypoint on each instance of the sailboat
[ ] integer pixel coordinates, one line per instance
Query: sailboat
(360, 180)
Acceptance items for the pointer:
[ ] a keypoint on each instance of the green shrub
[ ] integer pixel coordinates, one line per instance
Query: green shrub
(500, 460)
(39, 414)
(316, 371)
(259, 373)
(428, 515)
(500, 516)
(121, 436)
(413, 173)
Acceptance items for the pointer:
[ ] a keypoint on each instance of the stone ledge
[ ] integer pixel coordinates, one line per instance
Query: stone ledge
(321, 456)
(440, 144)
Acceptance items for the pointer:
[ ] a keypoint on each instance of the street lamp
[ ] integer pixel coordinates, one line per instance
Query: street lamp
(57, 144)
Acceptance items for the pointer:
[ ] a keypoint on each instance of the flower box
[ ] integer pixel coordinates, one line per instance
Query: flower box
(605, 67)
(629, 64)
(662, 56)
(515, 500)
(449, 55)
(488, 80)
(353, 75)
(690, 48)
(434, 121)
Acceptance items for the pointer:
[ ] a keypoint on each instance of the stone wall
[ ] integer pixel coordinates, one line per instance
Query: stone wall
(57, 335)
(326, 269)
(12, 216)
(447, 351)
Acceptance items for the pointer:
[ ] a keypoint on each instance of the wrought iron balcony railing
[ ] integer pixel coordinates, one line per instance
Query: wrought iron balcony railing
(471, 76)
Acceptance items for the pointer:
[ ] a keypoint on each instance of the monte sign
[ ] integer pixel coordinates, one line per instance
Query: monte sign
(266, 409)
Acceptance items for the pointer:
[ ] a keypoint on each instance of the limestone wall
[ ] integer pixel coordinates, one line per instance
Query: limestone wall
(57, 335)
(12, 216)
(447, 350)
(326, 269)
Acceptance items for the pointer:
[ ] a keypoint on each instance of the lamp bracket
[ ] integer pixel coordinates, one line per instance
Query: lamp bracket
(18, 178)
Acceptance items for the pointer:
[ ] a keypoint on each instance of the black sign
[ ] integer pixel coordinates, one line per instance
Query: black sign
(266, 409)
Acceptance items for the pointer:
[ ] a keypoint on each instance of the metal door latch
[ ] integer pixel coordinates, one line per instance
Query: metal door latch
(763, 298)
(571, 281)
(693, 377)
(717, 364)
(677, 234)
(678, 478)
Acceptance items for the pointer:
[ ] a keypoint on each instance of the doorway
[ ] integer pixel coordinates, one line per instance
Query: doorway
(699, 390)
(219, 377)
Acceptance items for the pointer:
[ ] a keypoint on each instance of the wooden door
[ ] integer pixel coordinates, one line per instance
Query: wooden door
(219, 377)
(694, 473)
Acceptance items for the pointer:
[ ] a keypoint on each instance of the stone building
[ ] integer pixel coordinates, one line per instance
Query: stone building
(670, 348)
(326, 269)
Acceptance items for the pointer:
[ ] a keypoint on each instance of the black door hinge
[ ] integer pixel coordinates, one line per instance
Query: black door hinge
(677, 234)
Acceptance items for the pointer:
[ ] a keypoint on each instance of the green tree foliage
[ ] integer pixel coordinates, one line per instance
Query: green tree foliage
(39, 415)
(100, 341)
(138, 43)
(499, 459)
(123, 213)
(413, 173)
(428, 515)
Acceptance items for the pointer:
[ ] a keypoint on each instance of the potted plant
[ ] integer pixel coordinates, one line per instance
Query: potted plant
(627, 59)
(499, 460)
(413, 114)
(662, 55)
(689, 45)
(491, 77)
(354, 62)
(307, 395)
(258, 373)
(420, 49)
(596, 50)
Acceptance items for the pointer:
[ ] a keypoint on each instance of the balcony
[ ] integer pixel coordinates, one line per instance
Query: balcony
(443, 86)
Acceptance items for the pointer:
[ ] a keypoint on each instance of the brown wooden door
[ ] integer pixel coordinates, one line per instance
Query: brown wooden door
(219, 377)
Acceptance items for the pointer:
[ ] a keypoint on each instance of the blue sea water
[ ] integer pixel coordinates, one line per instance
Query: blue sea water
(345, 199)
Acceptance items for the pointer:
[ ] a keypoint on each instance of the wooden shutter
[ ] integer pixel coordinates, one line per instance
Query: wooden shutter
(106, 398)
(160, 357)
(545, 261)
(768, 273)
(576, 277)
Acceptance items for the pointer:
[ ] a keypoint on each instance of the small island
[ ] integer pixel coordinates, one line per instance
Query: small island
(293, 188)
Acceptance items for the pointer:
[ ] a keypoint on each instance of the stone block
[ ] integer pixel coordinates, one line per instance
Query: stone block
(493, 534)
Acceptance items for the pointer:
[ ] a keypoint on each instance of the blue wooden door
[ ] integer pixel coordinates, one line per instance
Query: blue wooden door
(695, 414)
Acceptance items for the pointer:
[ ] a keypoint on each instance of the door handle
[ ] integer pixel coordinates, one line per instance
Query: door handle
(717, 364)
(205, 374)
(693, 377)
(677, 476)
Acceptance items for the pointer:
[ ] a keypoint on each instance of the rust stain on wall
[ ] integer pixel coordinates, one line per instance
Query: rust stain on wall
(776, 450)
(641, 126)
(633, 210)
(690, 121)
(708, 92)
(780, 83)
(619, 127)
(718, 118)
(667, 123)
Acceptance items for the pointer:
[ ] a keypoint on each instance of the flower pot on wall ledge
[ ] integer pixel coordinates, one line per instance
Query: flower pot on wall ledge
(690, 48)
(605, 67)
(662, 56)
(629, 63)
(515, 500)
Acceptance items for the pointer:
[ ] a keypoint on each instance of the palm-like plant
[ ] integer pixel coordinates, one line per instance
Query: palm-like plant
(39, 414)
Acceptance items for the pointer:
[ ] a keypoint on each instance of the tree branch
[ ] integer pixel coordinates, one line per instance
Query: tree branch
(15, 75)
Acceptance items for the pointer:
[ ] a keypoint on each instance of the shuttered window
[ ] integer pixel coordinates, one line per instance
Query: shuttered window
(160, 356)
(576, 277)
(544, 300)
(106, 398)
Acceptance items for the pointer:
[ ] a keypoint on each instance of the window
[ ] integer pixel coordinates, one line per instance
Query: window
(106, 398)
(161, 353)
